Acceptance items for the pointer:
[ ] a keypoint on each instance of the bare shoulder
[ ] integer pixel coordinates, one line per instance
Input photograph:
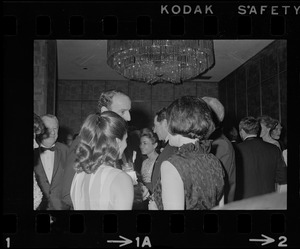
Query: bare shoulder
(122, 180)
(167, 168)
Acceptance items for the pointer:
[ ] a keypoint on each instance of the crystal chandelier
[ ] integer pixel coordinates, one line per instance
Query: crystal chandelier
(155, 61)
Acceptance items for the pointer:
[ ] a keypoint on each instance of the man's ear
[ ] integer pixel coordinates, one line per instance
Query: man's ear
(155, 145)
(103, 109)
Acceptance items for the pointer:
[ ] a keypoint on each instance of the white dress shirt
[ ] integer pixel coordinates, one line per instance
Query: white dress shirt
(47, 158)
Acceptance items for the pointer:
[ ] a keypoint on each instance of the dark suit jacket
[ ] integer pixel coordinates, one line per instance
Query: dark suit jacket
(167, 152)
(222, 148)
(259, 166)
(69, 175)
(51, 191)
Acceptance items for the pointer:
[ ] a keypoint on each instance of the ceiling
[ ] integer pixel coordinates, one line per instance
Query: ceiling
(86, 59)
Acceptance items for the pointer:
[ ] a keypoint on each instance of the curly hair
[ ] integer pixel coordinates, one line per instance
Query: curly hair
(146, 132)
(98, 144)
(190, 117)
(250, 125)
(105, 99)
(38, 125)
(275, 124)
(267, 121)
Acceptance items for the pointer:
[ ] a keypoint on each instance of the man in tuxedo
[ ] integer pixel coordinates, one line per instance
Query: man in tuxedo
(111, 100)
(161, 129)
(49, 161)
(259, 164)
(222, 148)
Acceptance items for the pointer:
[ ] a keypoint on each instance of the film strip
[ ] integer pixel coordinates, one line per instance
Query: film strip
(25, 22)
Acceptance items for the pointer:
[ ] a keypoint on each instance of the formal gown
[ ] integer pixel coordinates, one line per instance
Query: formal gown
(147, 168)
(92, 191)
(202, 175)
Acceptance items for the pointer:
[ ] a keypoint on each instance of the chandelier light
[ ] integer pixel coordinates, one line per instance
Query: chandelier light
(155, 61)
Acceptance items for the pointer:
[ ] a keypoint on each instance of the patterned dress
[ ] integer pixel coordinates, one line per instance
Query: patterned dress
(37, 194)
(202, 175)
(147, 169)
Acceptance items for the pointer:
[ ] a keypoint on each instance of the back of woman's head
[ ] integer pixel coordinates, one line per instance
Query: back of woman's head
(267, 121)
(98, 144)
(190, 117)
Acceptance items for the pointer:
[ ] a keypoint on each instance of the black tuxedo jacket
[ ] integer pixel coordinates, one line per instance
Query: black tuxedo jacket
(259, 166)
(51, 191)
(69, 175)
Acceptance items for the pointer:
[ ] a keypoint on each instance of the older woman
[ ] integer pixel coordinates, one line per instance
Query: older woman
(98, 184)
(191, 179)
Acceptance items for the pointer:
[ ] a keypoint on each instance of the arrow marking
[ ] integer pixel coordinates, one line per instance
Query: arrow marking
(123, 242)
(266, 240)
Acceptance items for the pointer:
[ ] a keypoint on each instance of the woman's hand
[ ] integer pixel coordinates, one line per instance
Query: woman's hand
(152, 205)
(145, 192)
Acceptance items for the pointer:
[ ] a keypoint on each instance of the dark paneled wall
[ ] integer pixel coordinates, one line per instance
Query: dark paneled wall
(45, 76)
(40, 76)
(77, 99)
(258, 87)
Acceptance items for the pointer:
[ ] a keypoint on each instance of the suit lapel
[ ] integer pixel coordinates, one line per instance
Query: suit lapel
(39, 170)
(56, 162)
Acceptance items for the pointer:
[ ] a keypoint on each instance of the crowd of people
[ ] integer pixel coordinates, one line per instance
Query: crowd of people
(185, 161)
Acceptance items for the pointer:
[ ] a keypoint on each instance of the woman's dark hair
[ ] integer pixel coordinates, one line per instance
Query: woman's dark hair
(190, 117)
(267, 121)
(98, 143)
(38, 125)
(275, 124)
(146, 132)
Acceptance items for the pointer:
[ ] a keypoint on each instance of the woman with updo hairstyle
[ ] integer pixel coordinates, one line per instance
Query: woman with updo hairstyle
(268, 124)
(149, 147)
(98, 184)
(192, 178)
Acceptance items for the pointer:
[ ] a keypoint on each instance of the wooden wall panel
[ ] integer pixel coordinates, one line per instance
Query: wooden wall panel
(92, 89)
(121, 85)
(261, 85)
(139, 91)
(189, 88)
(146, 99)
(270, 93)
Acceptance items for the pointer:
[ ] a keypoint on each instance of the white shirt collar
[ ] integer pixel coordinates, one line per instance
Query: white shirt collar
(251, 135)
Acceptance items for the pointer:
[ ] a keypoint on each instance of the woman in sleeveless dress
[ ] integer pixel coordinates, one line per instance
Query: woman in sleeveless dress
(148, 145)
(98, 184)
(192, 178)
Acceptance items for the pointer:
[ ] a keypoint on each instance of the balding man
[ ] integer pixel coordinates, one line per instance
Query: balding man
(111, 100)
(49, 161)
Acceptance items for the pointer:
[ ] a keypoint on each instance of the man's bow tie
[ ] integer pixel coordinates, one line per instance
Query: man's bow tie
(43, 149)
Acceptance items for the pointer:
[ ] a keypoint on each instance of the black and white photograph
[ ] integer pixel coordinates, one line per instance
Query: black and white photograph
(200, 124)
(165, 124)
